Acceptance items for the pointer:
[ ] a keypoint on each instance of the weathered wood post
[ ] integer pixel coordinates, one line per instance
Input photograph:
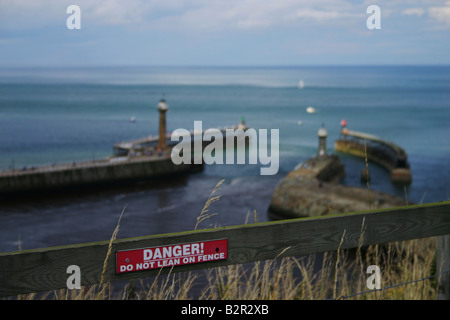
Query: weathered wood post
(443, 264)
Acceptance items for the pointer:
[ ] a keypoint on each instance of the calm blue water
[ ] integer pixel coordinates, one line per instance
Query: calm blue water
(63, 115)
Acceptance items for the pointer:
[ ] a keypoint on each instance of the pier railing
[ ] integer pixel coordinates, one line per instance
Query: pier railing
(46, 269)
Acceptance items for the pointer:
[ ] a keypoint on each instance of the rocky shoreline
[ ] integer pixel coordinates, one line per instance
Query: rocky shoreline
(313, 189)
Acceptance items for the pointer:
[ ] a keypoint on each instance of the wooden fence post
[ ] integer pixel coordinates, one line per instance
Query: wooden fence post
(443, 263)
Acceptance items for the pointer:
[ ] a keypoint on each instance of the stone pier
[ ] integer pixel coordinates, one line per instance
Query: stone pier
(313, 189)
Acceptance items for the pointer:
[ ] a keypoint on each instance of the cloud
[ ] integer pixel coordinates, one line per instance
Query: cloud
(441, 14)
(258, 14)
(173, 14)
(185, 15)
(413, 12)
(327, 15)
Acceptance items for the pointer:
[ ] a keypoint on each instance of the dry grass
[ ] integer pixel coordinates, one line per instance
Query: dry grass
(102, 286)
(204, 213)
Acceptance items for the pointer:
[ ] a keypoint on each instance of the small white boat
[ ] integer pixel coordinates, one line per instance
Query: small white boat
(300, 122)
(133, 119)
(301, 84)
(311, 110)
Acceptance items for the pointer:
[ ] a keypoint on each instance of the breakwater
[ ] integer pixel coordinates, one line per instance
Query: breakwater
(387, 154)
(132, 161)
(135, 160)
(90, 173)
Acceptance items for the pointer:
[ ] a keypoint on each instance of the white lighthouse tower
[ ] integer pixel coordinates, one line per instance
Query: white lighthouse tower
(322, 151)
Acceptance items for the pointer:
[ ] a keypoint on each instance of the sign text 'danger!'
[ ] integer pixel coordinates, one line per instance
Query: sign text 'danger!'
(171, 255)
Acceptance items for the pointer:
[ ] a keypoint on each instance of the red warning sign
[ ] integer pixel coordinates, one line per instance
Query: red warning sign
(171, 255)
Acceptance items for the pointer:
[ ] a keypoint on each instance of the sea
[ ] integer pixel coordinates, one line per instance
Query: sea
(62, 115)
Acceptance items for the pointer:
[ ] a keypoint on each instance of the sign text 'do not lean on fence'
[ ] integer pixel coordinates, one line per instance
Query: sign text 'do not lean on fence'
(171, 255)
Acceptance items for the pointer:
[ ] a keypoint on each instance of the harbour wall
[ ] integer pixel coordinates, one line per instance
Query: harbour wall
(90, 173)
(386, 154)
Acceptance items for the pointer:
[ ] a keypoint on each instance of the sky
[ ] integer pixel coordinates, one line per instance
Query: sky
(223, 33)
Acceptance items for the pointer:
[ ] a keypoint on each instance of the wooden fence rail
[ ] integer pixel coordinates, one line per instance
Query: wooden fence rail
(46, 269)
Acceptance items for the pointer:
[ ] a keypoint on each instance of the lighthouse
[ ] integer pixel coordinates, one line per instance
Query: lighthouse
(162, 108)
(322, 151)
